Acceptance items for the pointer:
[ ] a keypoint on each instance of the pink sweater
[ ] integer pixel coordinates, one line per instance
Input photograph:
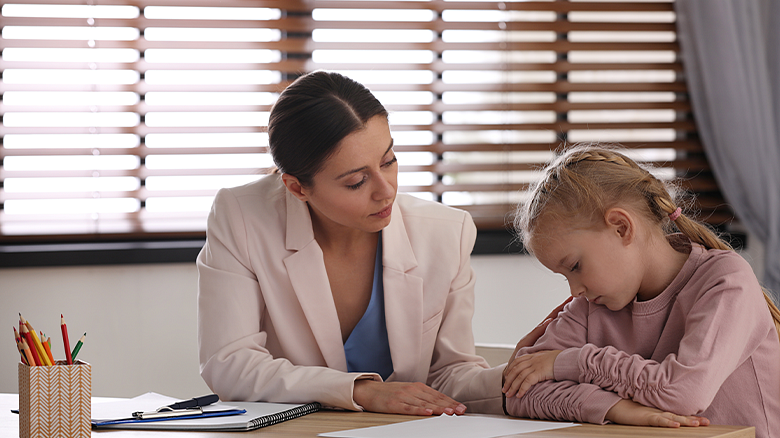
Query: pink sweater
(705, 346)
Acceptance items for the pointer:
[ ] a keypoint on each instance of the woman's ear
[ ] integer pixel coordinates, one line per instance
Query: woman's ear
(294, 186)
(622, 223)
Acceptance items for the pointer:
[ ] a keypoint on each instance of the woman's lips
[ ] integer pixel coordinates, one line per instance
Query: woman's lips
(385, 212)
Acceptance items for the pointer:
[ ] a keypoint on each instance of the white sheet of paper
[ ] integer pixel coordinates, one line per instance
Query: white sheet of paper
(463, 426)
(124, 408)
(118, 409)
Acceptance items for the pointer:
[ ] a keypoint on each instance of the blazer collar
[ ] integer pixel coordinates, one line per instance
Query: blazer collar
(403, 292)
(397, 249)
(299, 227)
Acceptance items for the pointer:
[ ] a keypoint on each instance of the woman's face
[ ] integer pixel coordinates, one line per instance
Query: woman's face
(357, 185)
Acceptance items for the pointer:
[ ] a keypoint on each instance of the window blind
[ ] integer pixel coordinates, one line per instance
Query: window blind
(122, 118)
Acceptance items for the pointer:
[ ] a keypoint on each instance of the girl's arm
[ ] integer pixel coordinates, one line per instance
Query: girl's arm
(582, 402)
(635, 414)
(723, 326)
(568, 400)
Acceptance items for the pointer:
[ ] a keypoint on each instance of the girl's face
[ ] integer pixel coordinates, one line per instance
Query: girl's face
(356, 187)
(599, 264)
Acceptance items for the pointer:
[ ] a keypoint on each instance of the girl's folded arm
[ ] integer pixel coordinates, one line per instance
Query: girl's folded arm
(563, 401)
(721, 332)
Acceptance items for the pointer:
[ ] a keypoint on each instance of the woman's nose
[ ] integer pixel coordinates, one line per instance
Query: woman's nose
(385, 189)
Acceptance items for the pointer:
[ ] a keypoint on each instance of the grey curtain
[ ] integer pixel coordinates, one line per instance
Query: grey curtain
(731, 56)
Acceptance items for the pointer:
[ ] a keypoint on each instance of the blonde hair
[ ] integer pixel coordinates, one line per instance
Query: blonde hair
(585, 181)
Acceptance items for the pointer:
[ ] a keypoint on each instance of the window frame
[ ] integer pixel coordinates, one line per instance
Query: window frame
(297, 46)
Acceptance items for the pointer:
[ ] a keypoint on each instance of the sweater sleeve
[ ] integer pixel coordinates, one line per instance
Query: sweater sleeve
(724, 324)
(564, 400)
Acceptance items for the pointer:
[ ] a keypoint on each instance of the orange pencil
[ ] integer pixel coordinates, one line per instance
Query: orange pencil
(65, 341)
(47, 347)
(28, 342)
(37, 342)
(28, 353)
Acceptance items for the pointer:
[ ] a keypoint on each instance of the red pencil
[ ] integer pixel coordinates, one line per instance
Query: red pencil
(64, 328)
(33, 350)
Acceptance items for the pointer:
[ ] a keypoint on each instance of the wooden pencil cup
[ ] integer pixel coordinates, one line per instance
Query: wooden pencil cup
(55, 401)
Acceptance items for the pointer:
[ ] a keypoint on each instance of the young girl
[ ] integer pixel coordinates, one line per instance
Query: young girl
(664, 329)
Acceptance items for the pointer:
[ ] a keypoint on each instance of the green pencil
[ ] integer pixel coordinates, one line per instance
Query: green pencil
(78, 347)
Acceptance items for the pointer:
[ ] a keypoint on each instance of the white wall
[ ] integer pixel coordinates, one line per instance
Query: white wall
(141, 319)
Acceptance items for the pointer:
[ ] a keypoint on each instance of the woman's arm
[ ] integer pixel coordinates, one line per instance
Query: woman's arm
(234, 360)
(455, 368)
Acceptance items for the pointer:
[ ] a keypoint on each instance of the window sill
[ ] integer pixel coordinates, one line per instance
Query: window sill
(164, 251)
(186, 250)
(99, 253)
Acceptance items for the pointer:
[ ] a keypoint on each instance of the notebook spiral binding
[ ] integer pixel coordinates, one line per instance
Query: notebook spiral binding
(279, 417)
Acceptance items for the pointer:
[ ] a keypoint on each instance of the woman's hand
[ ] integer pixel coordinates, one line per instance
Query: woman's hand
(404, 398)
(528, 370)
(635, 414)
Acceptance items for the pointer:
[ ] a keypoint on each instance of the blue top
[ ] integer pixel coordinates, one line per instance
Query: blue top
(367, 348)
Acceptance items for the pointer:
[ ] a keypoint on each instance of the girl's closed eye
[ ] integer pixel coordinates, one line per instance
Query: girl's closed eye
(575, 267)
(390, 163)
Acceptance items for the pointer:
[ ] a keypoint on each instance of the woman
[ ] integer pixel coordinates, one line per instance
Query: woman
(322, 283)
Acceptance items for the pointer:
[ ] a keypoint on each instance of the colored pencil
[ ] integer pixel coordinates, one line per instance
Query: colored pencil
(28, 353)
(65, 340)
(78, 347)
(47, 347)
(38, 345)
(18, 340)
(29, 341)
(21, 351)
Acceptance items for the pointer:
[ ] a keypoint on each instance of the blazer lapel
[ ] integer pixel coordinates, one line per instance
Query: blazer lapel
(306, 269)
(403, 300)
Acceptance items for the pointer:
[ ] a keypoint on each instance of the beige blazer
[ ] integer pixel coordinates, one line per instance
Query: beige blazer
(267, 324)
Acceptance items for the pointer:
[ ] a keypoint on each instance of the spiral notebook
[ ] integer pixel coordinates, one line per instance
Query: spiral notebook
(257, 415)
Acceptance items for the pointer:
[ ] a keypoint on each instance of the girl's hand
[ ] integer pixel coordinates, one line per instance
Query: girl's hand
(534, 335)
(528, 370)
(635, 414)
(404, 398)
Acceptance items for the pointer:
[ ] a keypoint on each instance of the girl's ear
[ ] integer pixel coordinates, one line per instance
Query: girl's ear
(622, 223)
(294, 186)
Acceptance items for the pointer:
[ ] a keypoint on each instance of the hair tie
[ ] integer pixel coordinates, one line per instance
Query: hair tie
(675, 214)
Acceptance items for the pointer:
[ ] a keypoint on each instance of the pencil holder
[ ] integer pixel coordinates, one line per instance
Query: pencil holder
(55, 401)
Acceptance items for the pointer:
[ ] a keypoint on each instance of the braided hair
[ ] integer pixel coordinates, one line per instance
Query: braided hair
(585, 181)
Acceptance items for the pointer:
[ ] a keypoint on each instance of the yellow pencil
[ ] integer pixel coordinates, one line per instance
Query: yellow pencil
(38, 346)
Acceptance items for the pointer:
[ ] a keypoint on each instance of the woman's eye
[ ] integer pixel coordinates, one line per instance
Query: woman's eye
(390, 163)
(357, 186)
